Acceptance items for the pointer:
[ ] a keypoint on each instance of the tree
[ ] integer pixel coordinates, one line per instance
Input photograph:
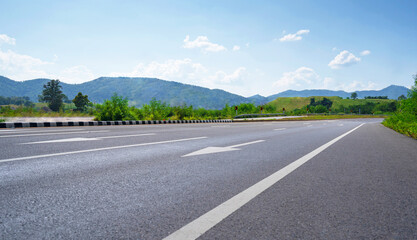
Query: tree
(354, 96)
(402, 97)
(52, 94)
(81, 101)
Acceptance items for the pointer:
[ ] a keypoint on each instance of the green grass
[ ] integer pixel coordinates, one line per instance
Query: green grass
(291, 103)
(322, 117)
(401, 123)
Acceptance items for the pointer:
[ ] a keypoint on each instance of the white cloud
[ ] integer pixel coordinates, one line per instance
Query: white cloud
(189, 72)
(294, 36)
(300, 78)
(203, 43)
(334, 49)
(224, 78)
(357, 86)
(327, 82)
(236, 48)
(344, 58)
(6, 39)
(21, 67)
(76, 74)
(365, 52)
(182, 70)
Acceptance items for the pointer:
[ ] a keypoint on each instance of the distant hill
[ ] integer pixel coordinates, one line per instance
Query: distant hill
(142, 90)
(137, 90)
(393, 92)
(291, 103)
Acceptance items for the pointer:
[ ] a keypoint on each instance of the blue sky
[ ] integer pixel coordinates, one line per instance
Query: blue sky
(244, 47)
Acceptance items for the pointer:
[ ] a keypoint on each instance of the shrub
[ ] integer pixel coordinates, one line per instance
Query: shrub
(115, 109)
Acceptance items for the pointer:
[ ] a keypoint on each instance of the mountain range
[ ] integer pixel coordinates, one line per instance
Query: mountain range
(141, 90)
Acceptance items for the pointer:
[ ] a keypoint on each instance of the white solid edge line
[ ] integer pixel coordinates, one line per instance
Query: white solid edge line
(55, 133)
(98, 149)
(279, 129)
(199, 226)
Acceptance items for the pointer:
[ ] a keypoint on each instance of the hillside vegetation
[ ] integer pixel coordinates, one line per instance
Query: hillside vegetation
(405, 119)
(339, 104)
(141, 91)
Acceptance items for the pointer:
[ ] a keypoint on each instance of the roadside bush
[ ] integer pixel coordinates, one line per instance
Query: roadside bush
(115, 109)
(405, 119)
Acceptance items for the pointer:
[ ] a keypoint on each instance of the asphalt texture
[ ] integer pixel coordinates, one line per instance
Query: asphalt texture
(132, 182)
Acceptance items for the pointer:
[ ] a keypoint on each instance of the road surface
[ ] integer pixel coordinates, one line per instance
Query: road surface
(339, 179)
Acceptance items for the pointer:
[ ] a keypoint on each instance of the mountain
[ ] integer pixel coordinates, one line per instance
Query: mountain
(137, 90)
(393, 92)
(142, 90)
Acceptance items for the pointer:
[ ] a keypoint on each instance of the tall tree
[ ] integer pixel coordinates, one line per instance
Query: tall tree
(52, 94)
(81, 101)
(354, 95)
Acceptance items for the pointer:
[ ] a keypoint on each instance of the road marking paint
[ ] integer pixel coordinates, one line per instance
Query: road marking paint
(209, 150)
(306, 123)
(99, 149)
(29, 131)
(309, 125)
(224, 126)
(63, 140)
(340, 125)
(122, 136)
(46, 134)
(205, 222)
(279, 129)
(86, 139)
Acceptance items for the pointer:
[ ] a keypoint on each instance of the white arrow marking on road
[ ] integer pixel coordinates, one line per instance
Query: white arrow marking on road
(207, 221)
(210, 150)
(87, 139)
(99, 149)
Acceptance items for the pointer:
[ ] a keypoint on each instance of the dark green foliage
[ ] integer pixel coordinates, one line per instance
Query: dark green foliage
(377, 97)
(52, 94)
(402, 97)
(81, 101)
(322, 106)
(354, 95)
(115, 109)
(369, 108)
(15, 101)
(158, 110)
(405, 119)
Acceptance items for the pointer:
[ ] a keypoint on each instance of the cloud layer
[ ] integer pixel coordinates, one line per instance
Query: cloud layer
(299, 78)
(343, 59)
(203, 43)
(294, 36)
(6, 39)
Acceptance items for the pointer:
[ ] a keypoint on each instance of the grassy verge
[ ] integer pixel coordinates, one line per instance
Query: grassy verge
(402, 125)
(321, 117)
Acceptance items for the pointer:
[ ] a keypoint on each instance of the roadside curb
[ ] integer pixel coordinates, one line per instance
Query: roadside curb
(102, 123)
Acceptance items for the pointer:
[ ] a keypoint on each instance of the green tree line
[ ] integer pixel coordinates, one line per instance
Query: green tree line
(117, 108)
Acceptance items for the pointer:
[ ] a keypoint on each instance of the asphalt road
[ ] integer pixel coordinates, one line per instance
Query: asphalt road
(342, 179)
